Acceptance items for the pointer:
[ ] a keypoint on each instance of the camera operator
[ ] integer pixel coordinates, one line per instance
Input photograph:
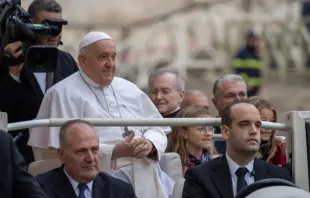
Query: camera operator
(22, 91)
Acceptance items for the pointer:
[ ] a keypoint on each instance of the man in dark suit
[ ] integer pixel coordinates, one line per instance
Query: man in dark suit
(14, 178)
(79, 175)
(24, 90)
(225, 176)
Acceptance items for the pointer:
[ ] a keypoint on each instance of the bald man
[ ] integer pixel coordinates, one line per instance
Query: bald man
(195, 97)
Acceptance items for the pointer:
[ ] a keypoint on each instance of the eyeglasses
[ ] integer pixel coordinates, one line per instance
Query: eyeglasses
(206, 129)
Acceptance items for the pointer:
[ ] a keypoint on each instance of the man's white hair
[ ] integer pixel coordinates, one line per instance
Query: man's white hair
(226, 78)
(180, 81)
(194, 92)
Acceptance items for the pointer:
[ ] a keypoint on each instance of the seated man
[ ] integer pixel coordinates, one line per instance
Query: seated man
(15, 181)
(94, 92)
(226, 176)
(79, 175)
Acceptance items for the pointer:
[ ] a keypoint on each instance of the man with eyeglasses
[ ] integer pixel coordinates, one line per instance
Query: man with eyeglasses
(166, 91)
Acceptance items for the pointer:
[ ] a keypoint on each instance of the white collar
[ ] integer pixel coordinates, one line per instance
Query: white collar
(174, 110)
(233, 166)
(90, 81)
(75, 183)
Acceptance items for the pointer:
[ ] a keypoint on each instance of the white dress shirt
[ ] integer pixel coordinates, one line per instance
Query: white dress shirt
(233, 167)
(41, 78)
(88, 191)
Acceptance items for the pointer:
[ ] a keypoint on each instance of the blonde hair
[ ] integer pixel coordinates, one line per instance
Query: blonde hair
(176, 142)
(260, 104)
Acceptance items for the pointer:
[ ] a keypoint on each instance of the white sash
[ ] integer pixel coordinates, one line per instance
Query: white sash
(145, 177)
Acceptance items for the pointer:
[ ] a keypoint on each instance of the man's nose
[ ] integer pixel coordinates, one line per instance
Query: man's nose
(238, 97)
(110, 62)
(159, 95)
(89, 156)
(254, 129)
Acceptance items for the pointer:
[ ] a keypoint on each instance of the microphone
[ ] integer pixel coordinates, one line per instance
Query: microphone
(60, 43)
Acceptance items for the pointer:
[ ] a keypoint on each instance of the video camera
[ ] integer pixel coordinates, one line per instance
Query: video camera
(16, 25)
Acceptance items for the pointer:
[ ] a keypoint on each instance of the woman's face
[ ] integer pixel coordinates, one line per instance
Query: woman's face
(199, 137)
(266, 115)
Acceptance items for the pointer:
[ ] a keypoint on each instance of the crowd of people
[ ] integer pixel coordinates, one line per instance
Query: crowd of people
(124, 161)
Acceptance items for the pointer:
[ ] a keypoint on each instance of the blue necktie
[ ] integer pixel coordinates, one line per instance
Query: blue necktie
(82, 188)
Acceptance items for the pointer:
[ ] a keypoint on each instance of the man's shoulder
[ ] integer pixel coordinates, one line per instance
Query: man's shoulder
(64, 54)
(125, 84)
(207, 166)
(273, 170)
(48, 176)
(112, 181)
(65, 84)
(5, 139)
(124, 81)
(4, 135)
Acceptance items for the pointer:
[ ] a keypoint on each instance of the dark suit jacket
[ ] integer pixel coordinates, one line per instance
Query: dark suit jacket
(21, 101)
(213, 178)
(57, 185)
(15, 182)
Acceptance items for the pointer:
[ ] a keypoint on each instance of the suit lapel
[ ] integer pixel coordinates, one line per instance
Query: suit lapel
(260, 170)
(29, 76)
(62, 186)
(222, 178)
(100, 188)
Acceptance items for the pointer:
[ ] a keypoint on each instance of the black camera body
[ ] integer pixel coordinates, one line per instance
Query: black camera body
(16, 25)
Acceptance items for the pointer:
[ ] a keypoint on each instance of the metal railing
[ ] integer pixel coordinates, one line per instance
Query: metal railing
(57, 122)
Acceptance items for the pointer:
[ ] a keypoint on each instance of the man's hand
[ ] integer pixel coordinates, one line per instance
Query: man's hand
(11, 49)
(142, 147)
(124, 148)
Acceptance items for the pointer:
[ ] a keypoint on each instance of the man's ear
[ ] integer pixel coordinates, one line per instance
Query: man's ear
(225, 132)
(214, 102)
(181, 93)
(61, 155)
(82, 60)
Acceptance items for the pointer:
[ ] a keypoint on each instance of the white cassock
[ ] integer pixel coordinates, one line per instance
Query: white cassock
(79, 97)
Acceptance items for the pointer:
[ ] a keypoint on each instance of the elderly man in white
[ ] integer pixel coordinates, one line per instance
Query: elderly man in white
(94, 92)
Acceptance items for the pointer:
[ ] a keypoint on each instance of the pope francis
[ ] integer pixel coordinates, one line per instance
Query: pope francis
(130, 154)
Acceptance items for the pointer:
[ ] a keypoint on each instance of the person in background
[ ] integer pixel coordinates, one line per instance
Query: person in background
(15, 181)
(270, 150)
(248, 64)
(24, 90)
(195, 97)
(194, 144)
(166, 91)
(226, 89)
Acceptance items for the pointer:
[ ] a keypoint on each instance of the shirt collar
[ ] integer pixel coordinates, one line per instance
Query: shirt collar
(90, 81)
(233, 166)
(177, 109)
(75, 183)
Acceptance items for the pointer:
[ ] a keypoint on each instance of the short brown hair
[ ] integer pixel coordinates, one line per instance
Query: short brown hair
(226, 114)
(46, 5)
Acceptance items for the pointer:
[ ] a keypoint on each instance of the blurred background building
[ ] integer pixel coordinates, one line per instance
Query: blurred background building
(200, 38)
